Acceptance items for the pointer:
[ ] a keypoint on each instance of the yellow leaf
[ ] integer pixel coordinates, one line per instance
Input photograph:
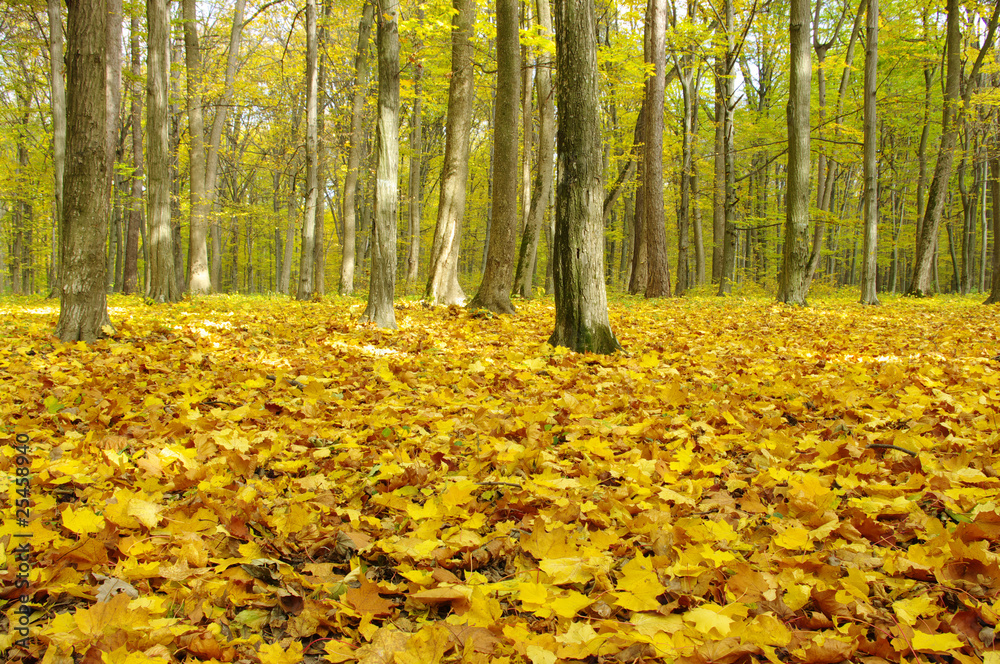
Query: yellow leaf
(568, 605)
(795, 538)
(277, 653)
(539, 655)
(532, 594)
(908, 610)
(82, 521)
(708, 617)
(944, 642)
(639, 587)
(146, 512)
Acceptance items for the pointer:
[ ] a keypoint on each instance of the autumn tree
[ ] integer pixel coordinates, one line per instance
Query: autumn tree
(494, 290)
(442, 282)
(58, 102)
(869, 264)
(582, 322)
(307, 256)
(994, 297)
(83, 310)
(792, 284)
(162, 286)
(542, 185)
(383, 271)
(658, 277)
(349, 211)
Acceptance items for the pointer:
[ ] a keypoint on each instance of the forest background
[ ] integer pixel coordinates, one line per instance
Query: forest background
(725, 64)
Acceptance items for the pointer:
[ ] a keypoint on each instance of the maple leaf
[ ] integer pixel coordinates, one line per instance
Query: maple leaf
(639, 586)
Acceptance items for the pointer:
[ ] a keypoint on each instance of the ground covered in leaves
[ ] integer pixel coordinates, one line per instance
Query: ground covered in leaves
(258, 480)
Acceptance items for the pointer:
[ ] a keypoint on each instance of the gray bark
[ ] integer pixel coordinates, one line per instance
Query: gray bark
(57, 66)
(383, 269)
(494, 290)
(542, 187)
(307, 254)
(658, 277)
(349, 212)
(442, 281)
(582, 322)
(416, 173)
(795, 254)
(163, 277)
(82, 304)
(869, 260)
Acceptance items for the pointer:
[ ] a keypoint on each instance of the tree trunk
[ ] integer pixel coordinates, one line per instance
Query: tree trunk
(727, 272)
(286, 263)
(582, 322)
(658, 278)
(349, 212)
(542, 187)
(416, 171)
(135, 219)
(163, 285)
(994, 297)
(82, 304)
(57, 66)
(683, 213)
(383, 270)
(494, 290)
(924, 255)
(442, 280)
(307, 253)
(869, 261)
(795, 254)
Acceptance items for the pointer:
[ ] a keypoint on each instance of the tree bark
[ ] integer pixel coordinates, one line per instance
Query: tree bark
(307, 253)
(349, 212)
(920, 284)
(494, 290)
(542, 187)
(416, 171)
(726, 188)
(869, 261)
(994, 297)
(82, 304)
(383, 270)
(57, 66)
(795, 254)
(442, 281)
(658, 277)
(163, 285)
(582, 322)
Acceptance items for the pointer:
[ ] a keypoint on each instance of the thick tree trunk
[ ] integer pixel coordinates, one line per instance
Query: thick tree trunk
(307, 253)
(82, 304)
(869, 261)
(494, 290)
(199, 280)
(349, 212)
(582, 322)
(163, 286)
(542, 187)
(442, 281)
(795, 254)
(658, 278)
(383, 271)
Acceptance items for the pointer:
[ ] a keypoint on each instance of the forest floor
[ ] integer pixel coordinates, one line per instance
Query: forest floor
(259, 480)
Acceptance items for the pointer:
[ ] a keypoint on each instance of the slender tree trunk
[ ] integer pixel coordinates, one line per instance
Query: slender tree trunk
(658, 278)
(582, 322)
(994, 297)
(869, 263)
(163, 285)
(286, 263)
(442, 280)
(795, 254)
(349, 212)
(307, 253)
(383, 270)
(319, 259)
(542, 187)
(719, 181)
(135, 219)
(494, 291)
(57, 66)
(83, 308)
(683, 213)
(416, 173)
(728, 250)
